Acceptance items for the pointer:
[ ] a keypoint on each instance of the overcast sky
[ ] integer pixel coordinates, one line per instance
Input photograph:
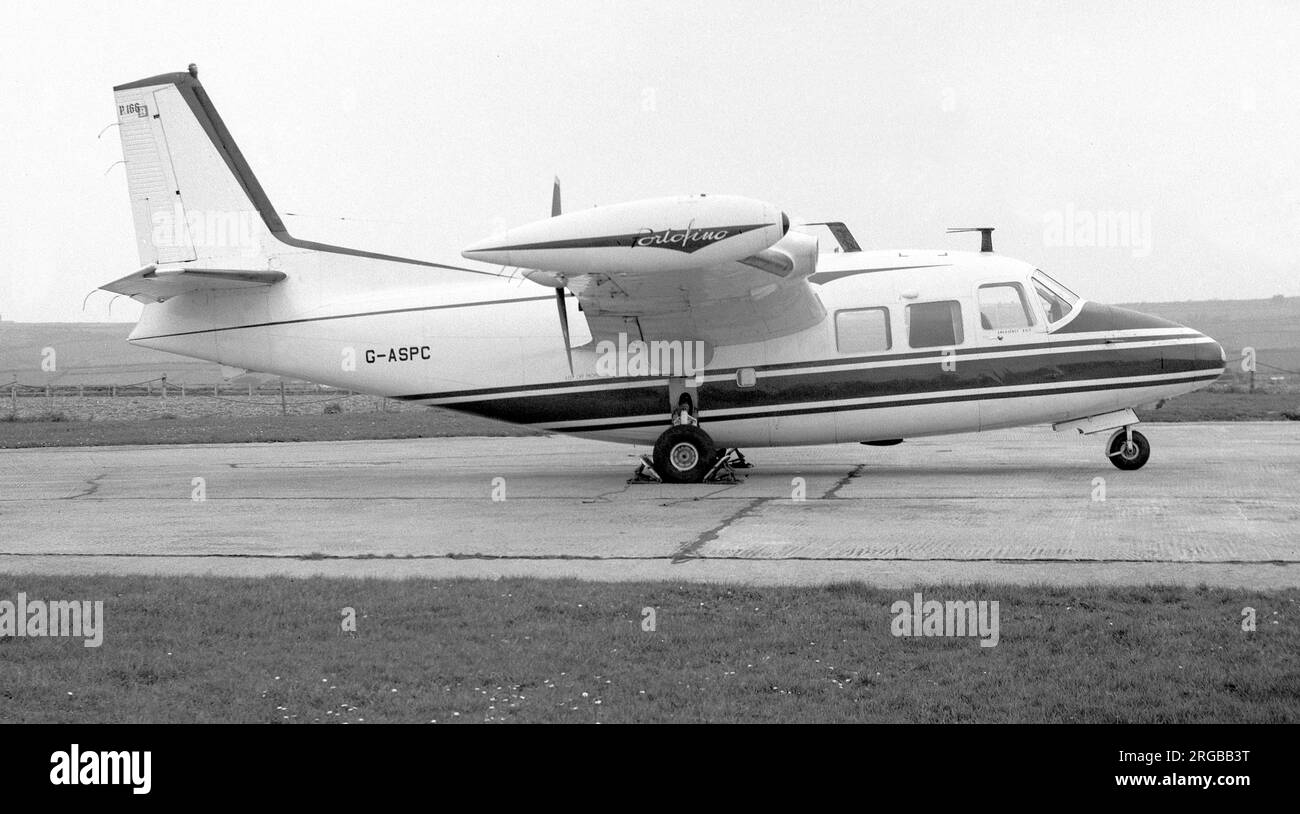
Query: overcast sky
(420, 128)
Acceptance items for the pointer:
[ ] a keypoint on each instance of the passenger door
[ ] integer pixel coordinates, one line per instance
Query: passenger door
(1008, 321)
(1007, 315)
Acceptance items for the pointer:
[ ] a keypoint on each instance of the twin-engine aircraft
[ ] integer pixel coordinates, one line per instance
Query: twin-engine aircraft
(699, 324)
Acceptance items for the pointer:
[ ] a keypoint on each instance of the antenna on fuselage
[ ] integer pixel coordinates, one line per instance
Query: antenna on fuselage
(986, 235)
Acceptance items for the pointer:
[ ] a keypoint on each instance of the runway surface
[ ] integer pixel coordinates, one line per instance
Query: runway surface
(1216, 504)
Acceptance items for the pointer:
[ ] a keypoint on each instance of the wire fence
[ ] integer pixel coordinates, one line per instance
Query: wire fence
(284, 395)
(1277, 369)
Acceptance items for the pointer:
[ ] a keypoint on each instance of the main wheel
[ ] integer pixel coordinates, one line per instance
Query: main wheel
(1127, 454)
(684, 454)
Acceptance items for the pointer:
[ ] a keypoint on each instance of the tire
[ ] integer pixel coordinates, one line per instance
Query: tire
(684, 454)
(1125, 457)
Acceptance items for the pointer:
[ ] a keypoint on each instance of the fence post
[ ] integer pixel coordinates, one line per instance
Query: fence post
(163, 387)
(284, 409)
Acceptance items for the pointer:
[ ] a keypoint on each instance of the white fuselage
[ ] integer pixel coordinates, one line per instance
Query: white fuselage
(492, 346)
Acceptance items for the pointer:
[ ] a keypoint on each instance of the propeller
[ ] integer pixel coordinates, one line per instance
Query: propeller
(564, 325)
(559, 291)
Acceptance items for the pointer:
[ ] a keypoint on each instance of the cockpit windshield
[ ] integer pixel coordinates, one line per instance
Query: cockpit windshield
(1058, 301)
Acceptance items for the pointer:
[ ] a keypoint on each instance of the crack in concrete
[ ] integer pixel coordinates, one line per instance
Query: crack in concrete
(725, 488)
(688, 551)
(92, 487)
(844, 481)
(604, 497)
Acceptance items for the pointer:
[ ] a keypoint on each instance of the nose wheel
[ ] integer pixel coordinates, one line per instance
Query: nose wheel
(1128, 449)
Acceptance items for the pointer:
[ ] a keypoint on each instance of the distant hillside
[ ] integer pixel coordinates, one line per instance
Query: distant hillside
(98, 353)
(1271, 327)
(90, 353)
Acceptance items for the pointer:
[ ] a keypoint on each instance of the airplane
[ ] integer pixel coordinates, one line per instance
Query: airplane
(709, 323)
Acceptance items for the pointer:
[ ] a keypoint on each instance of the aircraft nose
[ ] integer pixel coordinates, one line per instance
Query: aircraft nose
(1190, 350)
(1212, 351)
(1196, 352)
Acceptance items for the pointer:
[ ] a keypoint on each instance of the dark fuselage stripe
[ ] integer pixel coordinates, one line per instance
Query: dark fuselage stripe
(839, 408)
(933, 357)
(822, 277)
(895, 381)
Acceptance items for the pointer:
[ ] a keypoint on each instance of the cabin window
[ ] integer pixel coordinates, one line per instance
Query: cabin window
(934, 324)
(1004, 307)
(862, 330)
(1055, 307)
(1058, 301)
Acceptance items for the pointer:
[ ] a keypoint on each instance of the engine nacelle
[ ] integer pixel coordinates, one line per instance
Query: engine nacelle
(656, 234)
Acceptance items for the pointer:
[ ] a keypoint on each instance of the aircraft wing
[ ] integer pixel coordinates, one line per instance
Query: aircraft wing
(157, 283)
(720, 269)
(763, 296)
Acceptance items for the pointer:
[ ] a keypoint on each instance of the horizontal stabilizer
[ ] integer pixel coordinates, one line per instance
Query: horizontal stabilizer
(158, 283)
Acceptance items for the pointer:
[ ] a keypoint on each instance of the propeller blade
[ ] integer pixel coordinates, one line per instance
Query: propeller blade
(564, 325)
(559, 292)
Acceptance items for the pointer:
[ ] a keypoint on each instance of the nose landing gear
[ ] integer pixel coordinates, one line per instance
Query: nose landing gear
(1128, 449)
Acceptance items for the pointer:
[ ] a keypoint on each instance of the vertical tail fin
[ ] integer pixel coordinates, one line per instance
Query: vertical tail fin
(193, 196)
(195, 201)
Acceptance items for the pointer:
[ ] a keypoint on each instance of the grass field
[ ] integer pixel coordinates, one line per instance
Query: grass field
(272, 650)
(1213, 405)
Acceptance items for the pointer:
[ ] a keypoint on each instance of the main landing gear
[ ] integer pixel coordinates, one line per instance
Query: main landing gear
(1128, 449)
(684, 453)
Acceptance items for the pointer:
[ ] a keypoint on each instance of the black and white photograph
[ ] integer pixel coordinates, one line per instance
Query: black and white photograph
(894, 365)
